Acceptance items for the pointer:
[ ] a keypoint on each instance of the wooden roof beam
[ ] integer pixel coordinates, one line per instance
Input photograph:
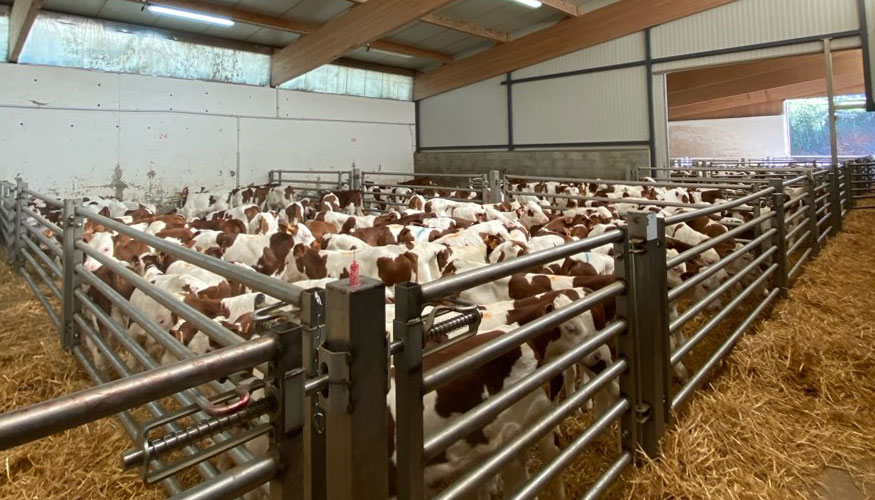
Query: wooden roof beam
(601, 25)
(288, 25)
(361, 25)
(567, 8)
(21, 19)
(466, 27)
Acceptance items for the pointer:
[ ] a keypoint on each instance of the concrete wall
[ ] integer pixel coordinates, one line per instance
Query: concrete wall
(584, 164)
(753, 137)
(72, 132)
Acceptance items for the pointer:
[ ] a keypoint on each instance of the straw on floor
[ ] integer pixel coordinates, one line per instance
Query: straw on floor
(83, 463)
(796, 396)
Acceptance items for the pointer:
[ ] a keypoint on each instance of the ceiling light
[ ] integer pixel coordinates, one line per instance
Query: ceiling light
(535, 4)
(192, 16)
(388, 53)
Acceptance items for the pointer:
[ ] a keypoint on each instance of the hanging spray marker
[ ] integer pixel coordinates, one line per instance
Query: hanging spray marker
(354, 271)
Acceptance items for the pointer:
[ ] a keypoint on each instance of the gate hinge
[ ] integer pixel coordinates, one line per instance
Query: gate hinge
(637, 245)
(643, 412)
(339, 384)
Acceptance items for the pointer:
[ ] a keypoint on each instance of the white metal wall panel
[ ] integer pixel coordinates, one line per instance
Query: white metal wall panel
(472, 115)
(159, 153)
(310, 106)
(747, 22)
(291, 144)
(751, 55)
(149, 93)
(608, 106)
(622, 50)
(60, 152)
(47, 87)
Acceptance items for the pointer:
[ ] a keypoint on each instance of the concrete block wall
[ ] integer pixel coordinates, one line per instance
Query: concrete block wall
(583, 164)
(72, 132)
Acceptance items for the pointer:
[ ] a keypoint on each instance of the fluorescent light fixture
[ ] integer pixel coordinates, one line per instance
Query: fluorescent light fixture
(192, 16)
(388, 52)
(535, 4)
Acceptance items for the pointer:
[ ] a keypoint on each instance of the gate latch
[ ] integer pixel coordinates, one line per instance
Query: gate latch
(337, 365)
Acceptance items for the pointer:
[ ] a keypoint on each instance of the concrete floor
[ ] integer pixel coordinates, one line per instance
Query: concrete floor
(838, 484)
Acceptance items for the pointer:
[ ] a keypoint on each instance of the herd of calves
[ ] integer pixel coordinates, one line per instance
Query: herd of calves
(312, 241)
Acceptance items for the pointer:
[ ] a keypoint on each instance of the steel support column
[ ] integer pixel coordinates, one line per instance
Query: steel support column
(779, 240)
(313, 319)
(645, 344)
(355, 353)
(408, 391)
(811, 187)
(20, 232)
(287, 373)
(73, 226)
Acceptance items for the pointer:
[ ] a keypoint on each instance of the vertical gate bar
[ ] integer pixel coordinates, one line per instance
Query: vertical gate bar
(20, 204)
(495, 187)
(73, 226)
(835, 199)
(849, 188)
(10, 237)
(287, 372)
(484, 189)
(409, 433)
(624, 271)
(779, 240)
(645, 345)
(313, 319)
(355, 352)
(811, 184)
(758, 229)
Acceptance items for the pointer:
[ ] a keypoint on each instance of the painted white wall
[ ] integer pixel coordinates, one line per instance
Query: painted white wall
(752, 137)
(72, 132)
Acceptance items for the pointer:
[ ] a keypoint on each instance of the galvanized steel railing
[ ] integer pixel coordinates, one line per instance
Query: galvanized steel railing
(335, 371)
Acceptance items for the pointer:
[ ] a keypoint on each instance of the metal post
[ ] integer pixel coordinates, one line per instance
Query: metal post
(645, 344)
(270, 177)
(496, 195)
(409, 432)
(835, 199)
(758, 229)
(313, 319)
(20, 204)
(779, 240)
(354, 180)
(849, 188)
(287, 372)
(484, 188)
(811, 186)
(355, 354)
(73, 226)
(830, 93)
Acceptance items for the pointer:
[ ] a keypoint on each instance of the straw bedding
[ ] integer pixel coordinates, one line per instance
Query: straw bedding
(796, 396)
(83, 463)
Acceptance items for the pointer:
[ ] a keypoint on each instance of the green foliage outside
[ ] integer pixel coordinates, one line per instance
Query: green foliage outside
(809, 127)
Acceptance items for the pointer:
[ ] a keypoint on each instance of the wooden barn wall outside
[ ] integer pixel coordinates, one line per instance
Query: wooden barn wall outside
(74, 132)
(739, 31)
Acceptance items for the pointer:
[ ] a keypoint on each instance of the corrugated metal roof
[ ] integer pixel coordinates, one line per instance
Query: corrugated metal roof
(504, 16)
